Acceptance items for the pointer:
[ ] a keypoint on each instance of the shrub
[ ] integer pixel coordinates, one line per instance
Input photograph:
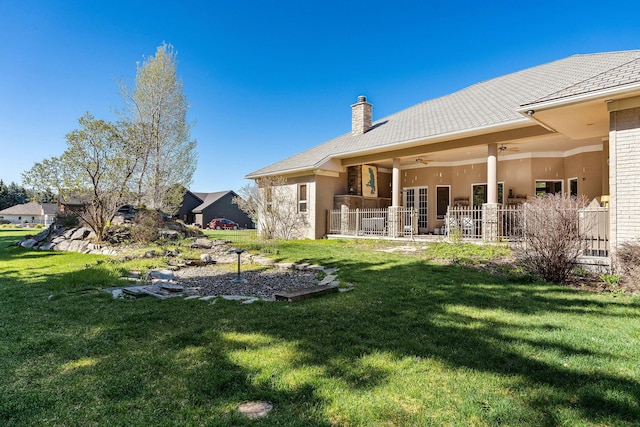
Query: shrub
(627, 261)
(69, 220)
(146, 226)
(553, 233)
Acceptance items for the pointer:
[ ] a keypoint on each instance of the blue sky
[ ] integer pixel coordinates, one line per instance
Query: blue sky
(268, 79)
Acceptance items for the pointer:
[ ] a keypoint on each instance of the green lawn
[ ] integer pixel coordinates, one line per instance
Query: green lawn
(415, 343)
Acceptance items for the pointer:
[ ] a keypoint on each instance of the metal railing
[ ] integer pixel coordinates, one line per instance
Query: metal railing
(468, 223)
(391, 222)
(464, 222)
(594, 222)
(504, 223)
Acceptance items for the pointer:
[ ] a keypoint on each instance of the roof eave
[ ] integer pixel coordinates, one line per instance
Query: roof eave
(497, 127)
(604, 94)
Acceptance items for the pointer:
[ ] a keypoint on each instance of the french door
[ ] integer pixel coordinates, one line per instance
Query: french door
(417, 197)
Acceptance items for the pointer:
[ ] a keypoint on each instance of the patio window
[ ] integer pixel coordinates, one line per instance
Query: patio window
(548, 187)
(443, 199)
(573, 187)
(479, 192)
(302, 198)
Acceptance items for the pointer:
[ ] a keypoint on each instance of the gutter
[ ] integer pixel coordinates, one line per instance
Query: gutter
(576, 99)
(504, 126)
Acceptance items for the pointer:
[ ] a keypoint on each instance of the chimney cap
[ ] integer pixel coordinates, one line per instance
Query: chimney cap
(362, 98)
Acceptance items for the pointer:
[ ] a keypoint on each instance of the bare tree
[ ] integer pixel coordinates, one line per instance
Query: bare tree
(554, 231)
(157, 111)
(272, 204)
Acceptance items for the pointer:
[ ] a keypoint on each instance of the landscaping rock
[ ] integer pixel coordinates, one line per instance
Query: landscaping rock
(161, 275)
(42, 235)
(168, 286)
(80, 233)
(29, 243)
(202, 242)
(205, 257)
(170, 234)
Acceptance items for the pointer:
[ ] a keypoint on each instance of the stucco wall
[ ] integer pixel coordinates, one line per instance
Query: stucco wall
(28, 219)
(517, 175)
(587, 167)
(325, 188)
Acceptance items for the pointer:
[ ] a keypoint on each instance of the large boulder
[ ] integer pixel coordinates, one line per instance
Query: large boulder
(28, 243)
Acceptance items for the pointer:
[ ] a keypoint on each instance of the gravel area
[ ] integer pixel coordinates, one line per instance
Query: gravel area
(263, 283)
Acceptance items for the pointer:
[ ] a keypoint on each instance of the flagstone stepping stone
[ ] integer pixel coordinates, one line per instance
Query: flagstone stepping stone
(285, 265)
(136, 291)
(168, 286)
(328, 279)
(243, 299)
(257, 409)
(161, 274)
(304, 293)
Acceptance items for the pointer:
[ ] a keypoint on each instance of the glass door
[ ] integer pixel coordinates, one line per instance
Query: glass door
(417, 198)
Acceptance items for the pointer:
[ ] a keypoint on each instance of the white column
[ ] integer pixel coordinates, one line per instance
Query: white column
(492, 173)
(396, 200)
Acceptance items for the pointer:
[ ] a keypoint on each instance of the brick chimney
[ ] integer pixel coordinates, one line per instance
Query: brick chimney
(361, 115)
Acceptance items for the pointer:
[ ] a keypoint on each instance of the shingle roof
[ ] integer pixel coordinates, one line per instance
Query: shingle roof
(490, 103)
(619, 76)
(31, 208)
(208, 199)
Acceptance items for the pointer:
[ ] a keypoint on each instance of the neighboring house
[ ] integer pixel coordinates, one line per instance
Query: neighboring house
(570, 126)
(201, 208)
(30, 213)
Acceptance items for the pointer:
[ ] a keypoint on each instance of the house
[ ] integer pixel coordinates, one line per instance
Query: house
(30, 213)
(201, 208)
(570, 126)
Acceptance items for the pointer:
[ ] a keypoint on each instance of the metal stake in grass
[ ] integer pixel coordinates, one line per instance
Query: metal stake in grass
(238, 279)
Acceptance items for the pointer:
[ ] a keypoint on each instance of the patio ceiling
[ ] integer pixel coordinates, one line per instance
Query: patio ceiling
(549, 144)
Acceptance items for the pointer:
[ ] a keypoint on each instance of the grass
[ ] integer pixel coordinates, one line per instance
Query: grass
(415, 343)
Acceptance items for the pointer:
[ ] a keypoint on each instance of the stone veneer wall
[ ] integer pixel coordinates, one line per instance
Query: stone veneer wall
(361, 116)
(624, 179)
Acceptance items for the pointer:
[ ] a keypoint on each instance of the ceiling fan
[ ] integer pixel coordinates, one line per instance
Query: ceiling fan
(420, 160)
(503, 148)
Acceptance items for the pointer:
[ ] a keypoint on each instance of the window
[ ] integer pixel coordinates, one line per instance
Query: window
(573, 187)
(548, 187)
(479, 192)
(442, 199)
(268, 195)
(302, 198)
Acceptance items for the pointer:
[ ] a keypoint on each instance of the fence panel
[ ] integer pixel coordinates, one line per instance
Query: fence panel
(594, 222)
(464, 222)
(392, 222)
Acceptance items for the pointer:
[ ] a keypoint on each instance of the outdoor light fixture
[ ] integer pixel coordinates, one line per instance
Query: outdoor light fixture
(238, 279)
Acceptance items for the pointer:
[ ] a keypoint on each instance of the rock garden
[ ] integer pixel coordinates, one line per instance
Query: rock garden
(197, 267)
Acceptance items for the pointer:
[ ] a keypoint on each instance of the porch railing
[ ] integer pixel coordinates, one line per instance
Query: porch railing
(503, 223)
(507, 225)
(467, 222)
(595, 223)
(390, 222)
